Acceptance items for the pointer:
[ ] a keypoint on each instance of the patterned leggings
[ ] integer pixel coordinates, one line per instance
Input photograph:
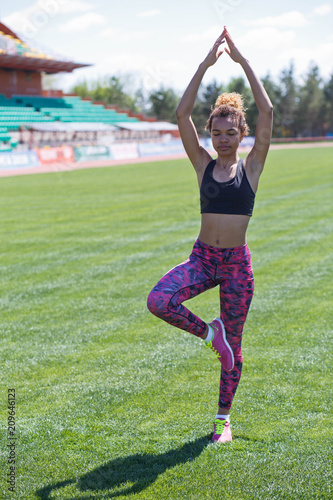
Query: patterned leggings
(206, 268)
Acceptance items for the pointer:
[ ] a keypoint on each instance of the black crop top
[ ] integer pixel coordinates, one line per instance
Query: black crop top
(232, 197)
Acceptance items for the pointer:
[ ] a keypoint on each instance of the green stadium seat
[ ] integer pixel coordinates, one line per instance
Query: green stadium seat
(4, 137)
(23, 109)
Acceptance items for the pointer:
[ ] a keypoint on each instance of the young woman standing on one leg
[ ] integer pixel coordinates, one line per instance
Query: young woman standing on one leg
(220, 255)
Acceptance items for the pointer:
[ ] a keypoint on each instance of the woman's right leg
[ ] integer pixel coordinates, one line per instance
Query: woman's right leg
(181, 283)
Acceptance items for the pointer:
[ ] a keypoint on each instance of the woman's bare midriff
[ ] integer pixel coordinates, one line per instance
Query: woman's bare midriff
(223, 230)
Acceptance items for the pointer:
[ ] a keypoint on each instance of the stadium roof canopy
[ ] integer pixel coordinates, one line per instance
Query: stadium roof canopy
(16, 54)
(147, 126)
(36, 64)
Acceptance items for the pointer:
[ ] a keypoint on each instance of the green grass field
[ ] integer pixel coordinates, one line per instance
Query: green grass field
(111, 402)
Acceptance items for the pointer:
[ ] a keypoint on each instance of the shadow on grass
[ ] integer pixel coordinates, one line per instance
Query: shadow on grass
(130, 474)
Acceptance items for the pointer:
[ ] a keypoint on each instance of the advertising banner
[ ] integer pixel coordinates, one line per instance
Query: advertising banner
(56, 155)
(11, 161)
(86, 153)
(161, 148)
(124, 151)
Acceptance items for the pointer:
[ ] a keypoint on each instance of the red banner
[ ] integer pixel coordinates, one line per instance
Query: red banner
(64, 154)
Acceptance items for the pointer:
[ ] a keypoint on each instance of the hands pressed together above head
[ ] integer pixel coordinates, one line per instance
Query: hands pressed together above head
(215, 52)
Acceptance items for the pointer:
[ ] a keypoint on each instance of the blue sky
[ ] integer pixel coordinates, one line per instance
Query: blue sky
(163, 42)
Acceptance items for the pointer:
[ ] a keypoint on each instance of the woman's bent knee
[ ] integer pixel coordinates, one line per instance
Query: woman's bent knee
(157, 304)
(151, 304)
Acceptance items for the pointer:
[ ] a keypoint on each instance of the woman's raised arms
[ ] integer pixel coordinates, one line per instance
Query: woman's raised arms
(256, 158)
(196, 153)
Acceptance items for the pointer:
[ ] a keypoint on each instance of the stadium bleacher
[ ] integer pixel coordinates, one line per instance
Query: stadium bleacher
(24, 110)
(21, 110)
(22, 99)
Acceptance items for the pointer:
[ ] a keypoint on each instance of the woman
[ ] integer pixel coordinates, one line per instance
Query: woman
(220, 255)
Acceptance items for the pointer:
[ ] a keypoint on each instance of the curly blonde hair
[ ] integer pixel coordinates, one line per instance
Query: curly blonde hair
(229, 104)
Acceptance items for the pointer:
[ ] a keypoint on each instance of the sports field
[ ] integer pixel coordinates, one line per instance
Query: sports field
(111, 402)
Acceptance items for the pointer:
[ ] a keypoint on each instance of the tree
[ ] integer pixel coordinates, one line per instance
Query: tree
(287, 104)
(109, 89)
(81, 89)
(328, 106)
(206, 99)
(200, 115)
(274, 93)
(210, 93)
(239, 85)
(164, 102)
(309, 119)
(299, 109)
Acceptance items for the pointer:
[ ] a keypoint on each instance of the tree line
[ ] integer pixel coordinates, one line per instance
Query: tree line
(300, 109)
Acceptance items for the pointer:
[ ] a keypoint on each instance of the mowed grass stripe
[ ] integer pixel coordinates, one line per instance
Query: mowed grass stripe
(114, 402)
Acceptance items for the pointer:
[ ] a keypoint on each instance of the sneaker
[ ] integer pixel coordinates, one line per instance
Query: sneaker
(222, 432)
(220, 346)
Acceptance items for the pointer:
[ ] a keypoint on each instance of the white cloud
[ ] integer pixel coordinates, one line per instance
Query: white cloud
(129, 61)
(27, 22)
(148, 71)
(46, 8)
(264, 39)
(123, 36)
(209, 34)
(292, 19)
(320, 54)
(82, 22)
(322, 10)
(149, 13)
(75, 6)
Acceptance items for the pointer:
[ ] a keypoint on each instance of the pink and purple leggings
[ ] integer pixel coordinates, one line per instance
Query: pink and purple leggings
(206, 268)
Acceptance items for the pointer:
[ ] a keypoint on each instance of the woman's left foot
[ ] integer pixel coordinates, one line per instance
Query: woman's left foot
(222, 432)
(220, 346)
